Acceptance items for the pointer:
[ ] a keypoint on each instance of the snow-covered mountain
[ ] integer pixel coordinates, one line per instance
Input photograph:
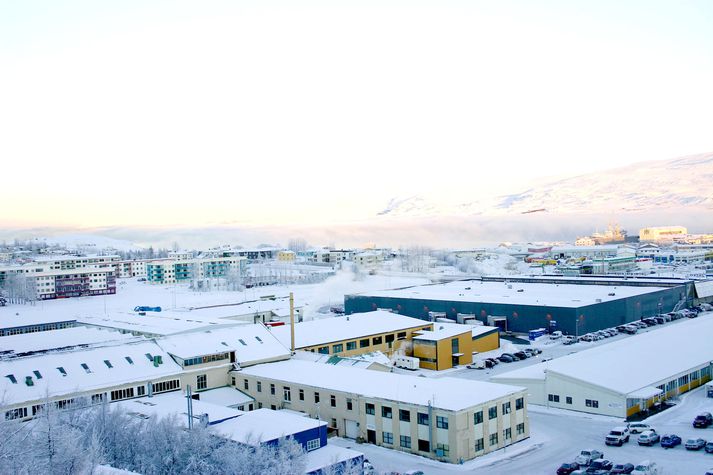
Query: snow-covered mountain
(677, 183)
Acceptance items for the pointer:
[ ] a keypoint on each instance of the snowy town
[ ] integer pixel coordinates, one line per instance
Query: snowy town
(487, 356)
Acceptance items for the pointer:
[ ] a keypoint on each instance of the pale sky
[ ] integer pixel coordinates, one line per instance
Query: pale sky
(192, 113)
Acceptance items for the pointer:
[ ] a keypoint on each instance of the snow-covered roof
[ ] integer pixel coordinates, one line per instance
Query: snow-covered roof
(328, 455)
(11, 319)
(452, 394)
(175, 404)
(252, 343)
(155, 323)
(98, 374)
(226, 396)
(477, 330)
(327, 330)
(279, 306)
(516, 293)
(265, 425)
(11, 346)
(365, 360)
(441, 331)
(624, 366)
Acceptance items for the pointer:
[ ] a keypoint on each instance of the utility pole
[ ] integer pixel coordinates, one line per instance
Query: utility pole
(189, 401)
(292, 323)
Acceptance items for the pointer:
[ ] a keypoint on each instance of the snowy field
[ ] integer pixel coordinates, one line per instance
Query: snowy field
(131, 293)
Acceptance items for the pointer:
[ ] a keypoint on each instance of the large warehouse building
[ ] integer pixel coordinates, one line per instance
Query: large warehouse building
(619, 378)
(573, 305)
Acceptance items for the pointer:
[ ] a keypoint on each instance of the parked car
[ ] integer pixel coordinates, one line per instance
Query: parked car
(695, 444)
(622, 468)
(587, 337)
(670, 441)
(613, 331)
(709, 447)
(476, 365)
(630, 329)
(638, 427)
(490, 362)
(506, 358)
(555, 335)
(521, 355)
(567, 468)
(645, 468)
(703, 420)
(617, 436)
(649, 437)
(599, 467)
(587, 456)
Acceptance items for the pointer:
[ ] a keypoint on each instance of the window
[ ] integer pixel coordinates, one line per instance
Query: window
(122, 394)
(405, 441)
(351, 345)
(349, 404)
(424, 446)
(140, 390)
(364, 343)
(272, 389)
(165, 386)
(520, 428)
(454, 345)
(401, 336)
(302, 394)
(389, 338)
(479, 445)
(493, 412)
(128, 359)
(273, 407)
(313, 444)
(404, 415)
(370, 409)
(149, 357)
(442, 450)
(202, 381)
(259, 386)
(108, 364)
(86, 368)
(506, 408)
(387, 437)
(386, 412)
(18, 413)
(376, 340)
(493, 439)
(478, 417)
(97, 398)
(246, 384)
(507, 434)
(519, 403)
(286, 395)
(323, 349)
(422, 419)
(553, 397)
(568, 399)
(333, 400)
(591, 403)
(62, 371)
(442, 422)
(12, 378)
(316, 398)
(338, 348)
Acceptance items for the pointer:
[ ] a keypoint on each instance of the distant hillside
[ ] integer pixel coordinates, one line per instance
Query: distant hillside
(677, 183)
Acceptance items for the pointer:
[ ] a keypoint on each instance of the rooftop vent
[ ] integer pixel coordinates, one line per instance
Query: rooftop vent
(28, 381)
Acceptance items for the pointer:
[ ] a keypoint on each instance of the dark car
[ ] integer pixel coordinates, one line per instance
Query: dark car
(507, 358)
(709, 447)
(488, 363)
(567, 468)
(622, 468)
(522, 355)
(703, 420)
(670, 441)
(599, 467)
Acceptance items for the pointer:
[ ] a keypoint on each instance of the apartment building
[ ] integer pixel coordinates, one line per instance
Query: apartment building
(447, 419)
(171, 271)
(130, 268)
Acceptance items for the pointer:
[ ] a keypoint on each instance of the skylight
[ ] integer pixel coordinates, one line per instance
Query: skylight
(38, 375)
(148, 355)
(128, 359)
(12, 378)
(242, 341)
(62, 370)
(86, 368)
(108, 364)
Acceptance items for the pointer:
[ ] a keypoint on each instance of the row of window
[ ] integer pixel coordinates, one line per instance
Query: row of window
(493, 410)
(206, 359)
(36, 328)
(493, 438)
(568, 400)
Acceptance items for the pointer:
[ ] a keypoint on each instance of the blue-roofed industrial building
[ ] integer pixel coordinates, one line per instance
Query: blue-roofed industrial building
(574, 305)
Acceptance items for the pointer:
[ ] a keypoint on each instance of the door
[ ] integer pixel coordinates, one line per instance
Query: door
(371, 436)
(352, 432)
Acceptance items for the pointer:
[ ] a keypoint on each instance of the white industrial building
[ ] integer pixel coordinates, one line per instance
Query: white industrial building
(626, 376)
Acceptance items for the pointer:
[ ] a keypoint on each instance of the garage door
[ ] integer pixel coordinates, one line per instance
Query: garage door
(351, 428)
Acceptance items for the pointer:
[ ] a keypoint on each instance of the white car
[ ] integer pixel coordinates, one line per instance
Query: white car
(587, 456)
(645, 468)
(638, 427)
(649, 437)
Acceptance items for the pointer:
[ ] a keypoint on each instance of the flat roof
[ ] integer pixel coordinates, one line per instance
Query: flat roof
(155, 323)
(516, 293)
(441, 331)
(452, 394)
(356, 325)
(264, 425)
(624, 366)
(327, 456)
(14, 345)
(97, 375)
(12, 319)
(251, 343)
(175, 403)
(226, 396)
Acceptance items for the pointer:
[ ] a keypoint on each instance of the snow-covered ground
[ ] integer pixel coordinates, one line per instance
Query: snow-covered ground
(131, 293)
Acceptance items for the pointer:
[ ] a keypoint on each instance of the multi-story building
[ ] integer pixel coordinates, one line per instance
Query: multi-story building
(131, 268)
(448, 419)
(46, 282)
(170, 271)
(663, 233)
(368, 259)
(286, 256)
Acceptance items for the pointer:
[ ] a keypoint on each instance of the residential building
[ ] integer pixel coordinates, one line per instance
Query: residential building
(662, 233)
(286, 256)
